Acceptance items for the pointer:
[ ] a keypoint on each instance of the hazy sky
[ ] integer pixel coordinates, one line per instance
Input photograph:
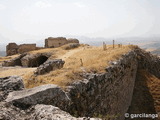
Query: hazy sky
(36, 19)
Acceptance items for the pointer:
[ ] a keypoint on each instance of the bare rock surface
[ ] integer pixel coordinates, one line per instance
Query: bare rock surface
(9, 84)
(49, 112)
(49, 65)
(37, 112)
(45, 94)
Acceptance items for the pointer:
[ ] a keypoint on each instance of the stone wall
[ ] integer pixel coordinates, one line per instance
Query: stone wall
(104, 94)
(26, 48)
(59, 41)
(108, 94)
(72, 40)
(13, 48)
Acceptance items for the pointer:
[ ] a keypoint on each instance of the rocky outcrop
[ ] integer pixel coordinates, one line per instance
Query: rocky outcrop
(47, 112)
(34, 60)
(28, 60)
(45, 94)
(14, 62)
(37, 112)
(49, 65)
(9, 84)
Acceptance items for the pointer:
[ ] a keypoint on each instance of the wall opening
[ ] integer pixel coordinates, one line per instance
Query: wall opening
(36, 62)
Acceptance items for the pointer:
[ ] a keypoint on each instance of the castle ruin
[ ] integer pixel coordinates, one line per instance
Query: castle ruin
(50, 42)
(13, 48)
(58, 41)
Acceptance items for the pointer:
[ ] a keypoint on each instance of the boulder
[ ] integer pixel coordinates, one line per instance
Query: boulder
(37, 112)
(49, 65)
(48, 112)
(34, 60)
(14, 62)
(9, 84)
(46, 94)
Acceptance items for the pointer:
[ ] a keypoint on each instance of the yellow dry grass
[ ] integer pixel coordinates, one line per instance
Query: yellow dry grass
(7, 58)
(153, 84)
(77, 61)
(10, 71)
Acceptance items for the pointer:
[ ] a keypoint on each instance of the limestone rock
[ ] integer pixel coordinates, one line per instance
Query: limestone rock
(49, 65)
(14, 62)
(49, 112)
(34, 60)
(37, 112)
(45, 94)
(9, 84)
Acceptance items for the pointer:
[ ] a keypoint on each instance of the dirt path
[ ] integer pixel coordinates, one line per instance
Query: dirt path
(69, 53)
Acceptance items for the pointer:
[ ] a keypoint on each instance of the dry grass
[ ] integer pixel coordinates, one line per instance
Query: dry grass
(94, 59)
(153, 85)
(10, 71)
(7, 58)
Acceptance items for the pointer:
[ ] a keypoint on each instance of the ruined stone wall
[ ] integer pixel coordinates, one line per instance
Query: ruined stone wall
(13, 48)
(26, 48)
(59, 41)
(72, 40)
(55, 42)
(108, 93)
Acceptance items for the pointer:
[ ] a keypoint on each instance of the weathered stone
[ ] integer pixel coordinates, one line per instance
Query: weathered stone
(59, 41)
(11, 49)
(71, 46)
(9, 84)
(26, 48)
(37, 112)
(73, 40)
(98, 96)
(14, 62)
(49, 112)
(49, 65)
(46, 94)
(34, 60)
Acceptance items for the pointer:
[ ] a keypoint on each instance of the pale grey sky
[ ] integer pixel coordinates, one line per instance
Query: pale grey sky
(22, 20)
